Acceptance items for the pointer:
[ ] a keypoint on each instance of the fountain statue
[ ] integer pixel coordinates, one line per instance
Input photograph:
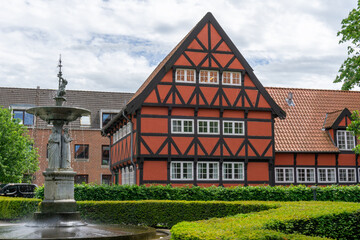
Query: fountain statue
(58, 218)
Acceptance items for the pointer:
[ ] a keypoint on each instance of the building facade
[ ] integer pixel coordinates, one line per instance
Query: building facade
(90, 151)
(203, 118)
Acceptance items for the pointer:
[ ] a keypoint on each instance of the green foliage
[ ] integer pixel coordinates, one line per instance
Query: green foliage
(17, 156)
(163, 213)
(17, 208)
(291, 220)
(191, 193)
(350, 31)
(354, 127)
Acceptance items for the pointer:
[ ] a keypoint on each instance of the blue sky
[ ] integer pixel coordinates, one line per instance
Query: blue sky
(114, 45)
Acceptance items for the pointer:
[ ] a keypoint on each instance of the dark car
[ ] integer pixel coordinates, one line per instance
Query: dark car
(18, 190)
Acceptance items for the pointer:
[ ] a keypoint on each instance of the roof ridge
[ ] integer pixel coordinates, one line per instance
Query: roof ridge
(314, 89)
(70, 90)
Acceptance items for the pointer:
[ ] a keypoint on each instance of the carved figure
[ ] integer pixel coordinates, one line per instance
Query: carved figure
(66, 152)
(54, 148)
(62, 84)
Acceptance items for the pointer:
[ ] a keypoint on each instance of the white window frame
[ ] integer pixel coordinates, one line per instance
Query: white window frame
(346, 133)
(233, 127)
(123, 176)
(207, 171)
(85, 121)
(182, 126)
(232, 171)
(232, 78)
(208, 77)
(208, 126)
(327, 175)
(306, 172)
(181, 171)
(22, 109)
(186, 80)
(102, 111)
(284, 173)
(131, 175)
(347, 175)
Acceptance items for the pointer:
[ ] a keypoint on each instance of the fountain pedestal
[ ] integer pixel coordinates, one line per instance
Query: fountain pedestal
(58, 207)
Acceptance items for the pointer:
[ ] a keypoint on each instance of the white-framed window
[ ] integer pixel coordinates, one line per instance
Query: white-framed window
(207, 76)
(185, 75)
(231, 78)
(123, 130)
(345, 140)
(25, 118)
(284, 175)
(326, 175)
(131, 176)
(347, 175)
(85, 121)
(123, 176)
(181, 170)
(106, 116)
(208, 171)
(305, 175)
(182, 126)
(233, 127)
(233, 171)
(208, 126)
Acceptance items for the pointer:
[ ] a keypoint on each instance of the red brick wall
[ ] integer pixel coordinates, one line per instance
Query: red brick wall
(92, 167)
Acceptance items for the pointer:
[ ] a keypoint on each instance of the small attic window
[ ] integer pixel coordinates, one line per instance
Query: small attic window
(85, 121)
(290, 100)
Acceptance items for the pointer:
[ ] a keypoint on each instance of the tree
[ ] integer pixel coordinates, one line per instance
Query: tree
(349, 72)
(17, 155)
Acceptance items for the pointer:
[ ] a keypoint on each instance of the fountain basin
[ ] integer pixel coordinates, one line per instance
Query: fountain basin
(103, 232)
(58, 113)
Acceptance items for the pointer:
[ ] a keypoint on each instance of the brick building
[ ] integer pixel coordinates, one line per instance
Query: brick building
(202, 117)
(90, 151)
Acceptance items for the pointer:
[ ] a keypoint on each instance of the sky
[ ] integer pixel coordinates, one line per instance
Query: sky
(114, 45)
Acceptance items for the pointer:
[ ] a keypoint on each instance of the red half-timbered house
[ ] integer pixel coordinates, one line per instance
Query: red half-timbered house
(202, 117)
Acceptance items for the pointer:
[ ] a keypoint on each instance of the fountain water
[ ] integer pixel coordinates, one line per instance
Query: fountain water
(58, 218)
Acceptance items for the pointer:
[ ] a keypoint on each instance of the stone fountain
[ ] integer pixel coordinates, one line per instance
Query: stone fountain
(58, 218)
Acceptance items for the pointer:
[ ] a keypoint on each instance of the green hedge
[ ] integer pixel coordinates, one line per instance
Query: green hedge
(260, 193)
(17, 208)
(291, 220)
(163, 213)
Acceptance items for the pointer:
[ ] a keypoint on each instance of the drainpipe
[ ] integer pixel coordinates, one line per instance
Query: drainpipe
(131, 145)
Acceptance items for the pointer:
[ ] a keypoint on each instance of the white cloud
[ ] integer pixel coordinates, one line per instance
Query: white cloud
(115, 45)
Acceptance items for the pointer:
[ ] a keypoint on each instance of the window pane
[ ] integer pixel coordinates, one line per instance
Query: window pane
(203, 76)
(342, 175)
(331, 175)
(176, 124)
(322, 175)
(236, 78)
(175, 170)
(341, 139)
(228, 127)
(203, 126)
(214, 127)
(190, 76)
(279, 174)
(226, 77)
(106, 179)
(81, 151)
(289, 175)
(19, 115)
(79, 179)
(213, 77)
(238, 128)
(227, 170)
(202, 171)
(187, 170)
(301, 175)
(188, 126)
(106, 117)
(350, 141)
(85, 120)
(105, 155)
(29, 119)
(310, 175)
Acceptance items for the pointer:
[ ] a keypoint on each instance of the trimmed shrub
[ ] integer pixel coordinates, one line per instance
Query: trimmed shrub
(17, 208)
(292, 220)
(163, 213)
(191, 193)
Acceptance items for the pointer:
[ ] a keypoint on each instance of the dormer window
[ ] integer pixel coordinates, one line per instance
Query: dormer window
(345, 140)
